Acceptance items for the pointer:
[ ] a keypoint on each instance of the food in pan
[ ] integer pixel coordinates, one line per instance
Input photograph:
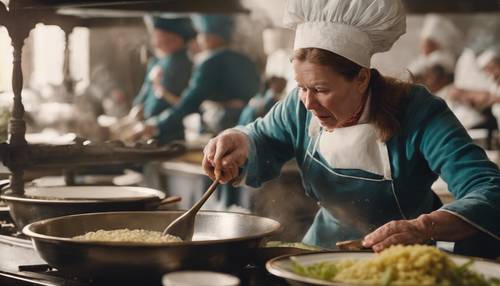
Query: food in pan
(128, 235)
(397, 266)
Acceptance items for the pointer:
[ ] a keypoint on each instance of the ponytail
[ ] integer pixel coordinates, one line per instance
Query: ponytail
(388, 97)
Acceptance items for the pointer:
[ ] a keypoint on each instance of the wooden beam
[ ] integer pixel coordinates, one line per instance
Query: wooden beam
(451, 6)
(177, 6)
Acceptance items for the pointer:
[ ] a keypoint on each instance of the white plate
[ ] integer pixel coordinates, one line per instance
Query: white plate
(93, 193)
(282, 266)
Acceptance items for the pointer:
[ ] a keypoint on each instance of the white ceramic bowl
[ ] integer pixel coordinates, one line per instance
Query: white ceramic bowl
(199, 278)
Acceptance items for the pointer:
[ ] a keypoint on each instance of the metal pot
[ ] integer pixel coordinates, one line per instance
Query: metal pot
(222, 241)
(46, 202)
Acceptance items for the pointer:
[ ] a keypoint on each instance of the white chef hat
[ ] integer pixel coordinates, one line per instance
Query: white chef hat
(487, 56)
(354, 29)
(445, 59)
(277, 39)
(442, 31)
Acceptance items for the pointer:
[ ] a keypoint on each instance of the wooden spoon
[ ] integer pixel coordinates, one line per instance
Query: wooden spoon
(183, 226)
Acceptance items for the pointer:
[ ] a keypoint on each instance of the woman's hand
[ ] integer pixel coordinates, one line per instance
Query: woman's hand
(225, 154)
(438, 225)
(141, 131)
(399, 232)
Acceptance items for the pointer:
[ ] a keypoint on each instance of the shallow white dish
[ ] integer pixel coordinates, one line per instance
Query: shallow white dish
(93, 193)
(282, 266)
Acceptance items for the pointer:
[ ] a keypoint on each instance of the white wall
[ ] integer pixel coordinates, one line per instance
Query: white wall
(48, 55)
(5, 61)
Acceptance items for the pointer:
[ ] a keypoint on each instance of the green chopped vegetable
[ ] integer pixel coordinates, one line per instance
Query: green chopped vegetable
(387, 276)
(323, 270)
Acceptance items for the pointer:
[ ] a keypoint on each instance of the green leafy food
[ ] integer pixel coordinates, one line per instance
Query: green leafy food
(323, 270)
(397, 266)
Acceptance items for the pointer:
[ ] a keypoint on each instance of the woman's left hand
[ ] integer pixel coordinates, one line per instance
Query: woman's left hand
(398, 232)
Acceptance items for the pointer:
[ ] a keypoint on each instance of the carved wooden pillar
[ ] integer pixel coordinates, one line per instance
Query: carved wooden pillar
(19, 27)
(67, 80)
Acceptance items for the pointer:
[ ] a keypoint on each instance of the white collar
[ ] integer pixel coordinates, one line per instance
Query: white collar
(366, 110)
(205, 55)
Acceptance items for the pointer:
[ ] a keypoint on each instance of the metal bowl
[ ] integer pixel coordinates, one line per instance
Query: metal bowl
(222, 241)
(46, 202)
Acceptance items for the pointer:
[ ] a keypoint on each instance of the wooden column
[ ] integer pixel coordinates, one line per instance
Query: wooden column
(67, 80)
(19, 27)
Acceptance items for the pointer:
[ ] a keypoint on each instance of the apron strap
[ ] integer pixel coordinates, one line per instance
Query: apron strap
(384, 152)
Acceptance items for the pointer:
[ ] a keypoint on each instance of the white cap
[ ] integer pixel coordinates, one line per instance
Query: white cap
(444, 59)
(277, 39)
(443, 32)
(487, 56)
(354, 29)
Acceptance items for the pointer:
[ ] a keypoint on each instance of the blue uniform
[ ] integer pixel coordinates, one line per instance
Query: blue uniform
(225, 75)
(257, 107)
(176, 73)
(431, 143)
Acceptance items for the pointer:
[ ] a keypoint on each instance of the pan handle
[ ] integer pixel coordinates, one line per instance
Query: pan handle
(170, 200)
(4, 184)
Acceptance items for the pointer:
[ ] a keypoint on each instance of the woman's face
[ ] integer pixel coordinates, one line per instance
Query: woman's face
(428, 46)
(209, 41)
(493, 69)
(328, 95)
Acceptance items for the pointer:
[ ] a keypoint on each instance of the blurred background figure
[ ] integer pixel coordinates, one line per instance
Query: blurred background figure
(277, 44)
(489, 62)
(167, 75)
(440, 34)
(473, 88)
(439, 73)
(440, 42)
(169, 69)
(220, 87)
(279, 78)
(102, 98)
(260, 104)
(417, 69)
(451, 72)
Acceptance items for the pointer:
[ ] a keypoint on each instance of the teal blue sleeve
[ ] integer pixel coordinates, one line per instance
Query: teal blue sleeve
(141, 96)
(202, 84)
(273, 140)
(471, 177)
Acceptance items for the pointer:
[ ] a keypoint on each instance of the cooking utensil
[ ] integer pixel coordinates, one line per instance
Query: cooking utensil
(183, 226)
(282, 266)
(222, 241)
(45, 202)
(351, 245)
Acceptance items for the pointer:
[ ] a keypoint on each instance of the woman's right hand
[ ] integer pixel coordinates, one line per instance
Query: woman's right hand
(225, 154)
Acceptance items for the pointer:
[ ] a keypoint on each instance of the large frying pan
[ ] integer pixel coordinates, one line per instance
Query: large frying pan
(222, 241)
(46, 202)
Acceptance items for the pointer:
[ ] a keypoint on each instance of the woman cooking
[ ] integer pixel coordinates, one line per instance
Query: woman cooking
(369, 147)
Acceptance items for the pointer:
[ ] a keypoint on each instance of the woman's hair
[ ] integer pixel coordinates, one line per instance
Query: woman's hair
(388, 95)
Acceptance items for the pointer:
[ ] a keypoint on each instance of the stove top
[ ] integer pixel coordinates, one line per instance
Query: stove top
(21, 265)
